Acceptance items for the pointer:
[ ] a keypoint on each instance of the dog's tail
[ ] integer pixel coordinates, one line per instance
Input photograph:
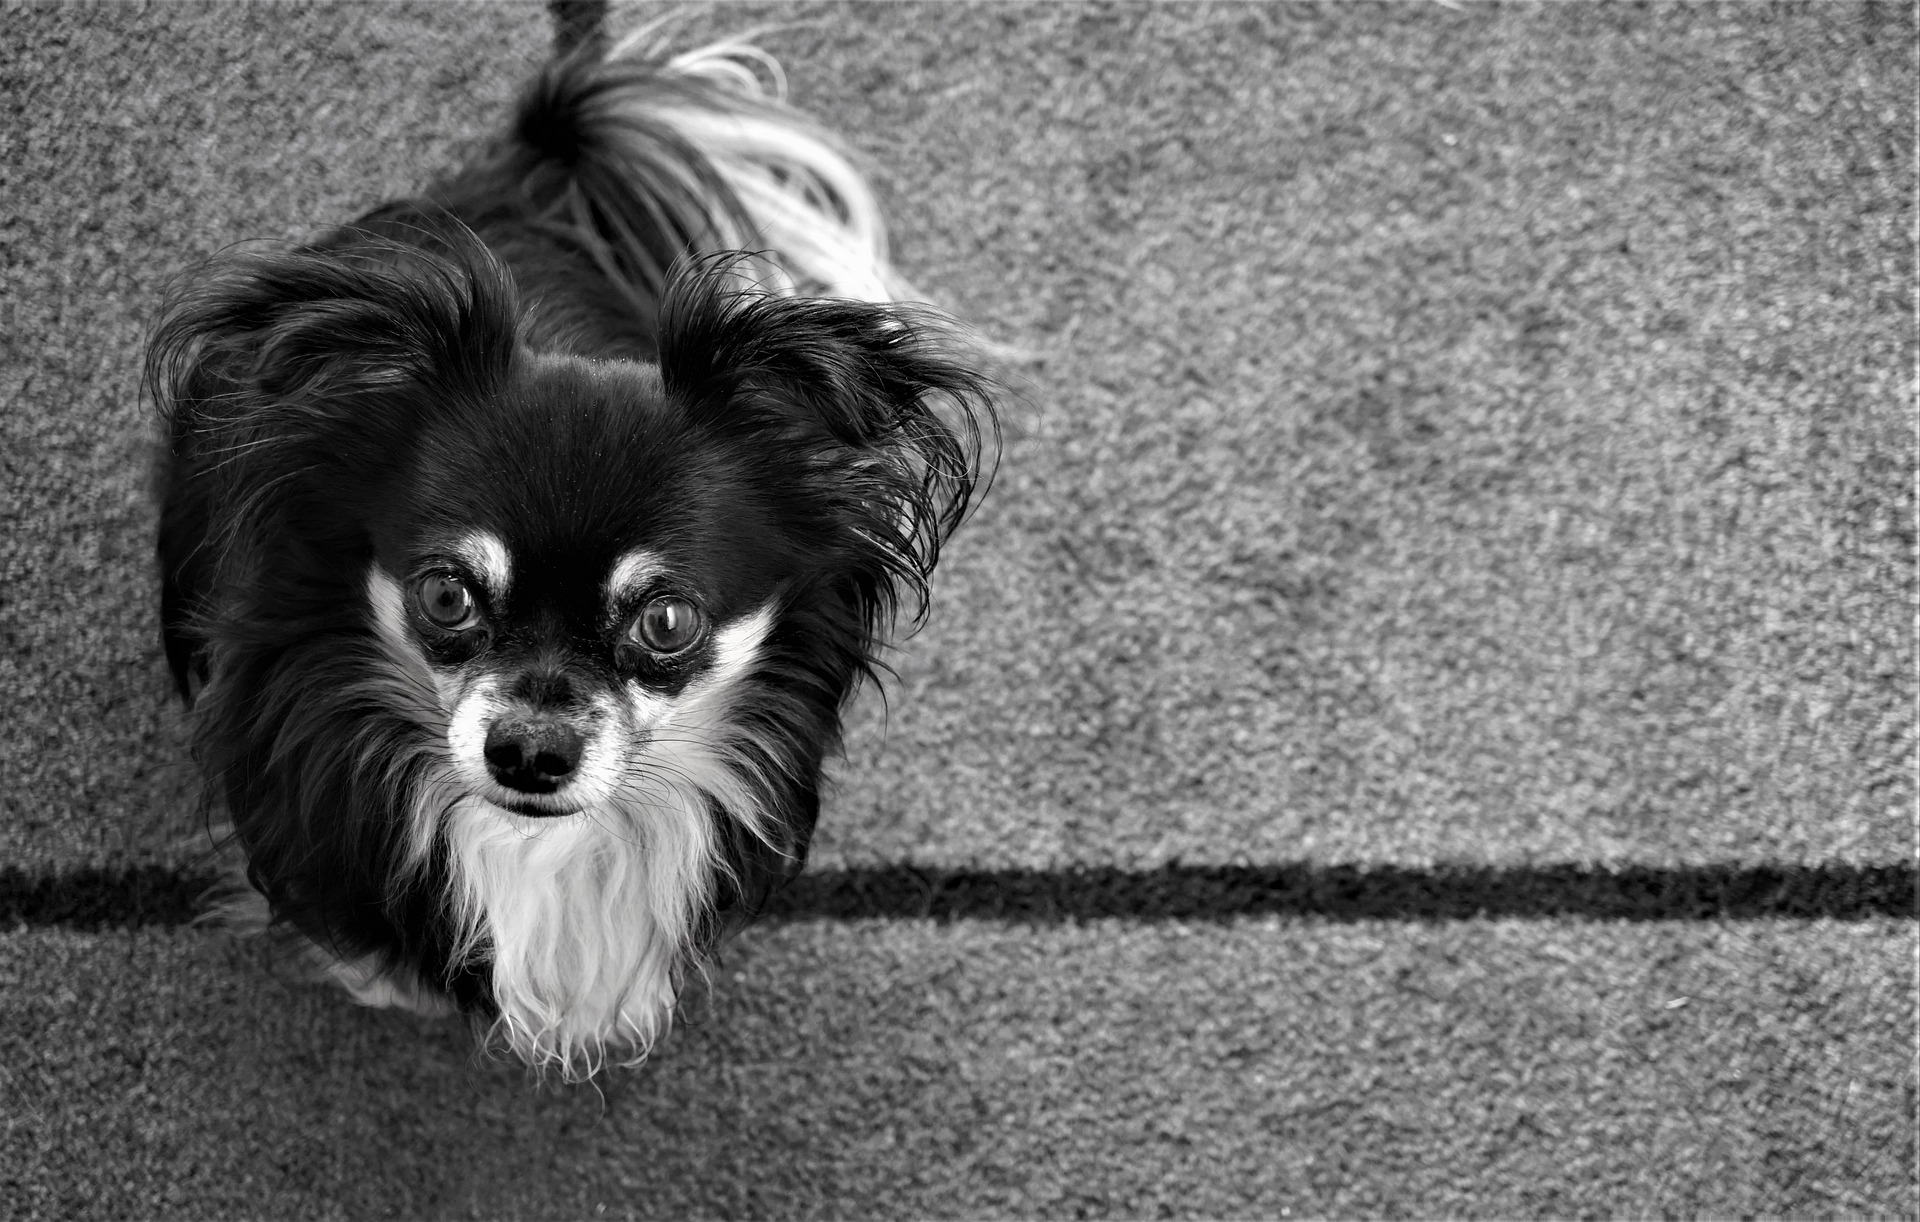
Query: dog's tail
(637, 158)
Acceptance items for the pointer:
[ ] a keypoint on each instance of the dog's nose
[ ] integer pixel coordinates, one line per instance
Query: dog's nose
(532, 754)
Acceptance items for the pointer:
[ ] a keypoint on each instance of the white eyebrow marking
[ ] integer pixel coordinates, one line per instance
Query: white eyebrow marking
(631, 572)
(487, 556)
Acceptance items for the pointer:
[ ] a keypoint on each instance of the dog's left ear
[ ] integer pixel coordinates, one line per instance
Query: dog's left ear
(880, 408)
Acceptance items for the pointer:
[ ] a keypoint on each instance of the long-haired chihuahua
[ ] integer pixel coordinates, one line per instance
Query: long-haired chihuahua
(521, 543)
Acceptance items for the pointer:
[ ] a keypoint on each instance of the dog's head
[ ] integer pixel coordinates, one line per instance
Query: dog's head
(525, 663)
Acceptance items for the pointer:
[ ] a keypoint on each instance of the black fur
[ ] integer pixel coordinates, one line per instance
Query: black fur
(513, 350)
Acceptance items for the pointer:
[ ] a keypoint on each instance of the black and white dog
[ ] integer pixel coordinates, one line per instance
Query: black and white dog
(522, 541)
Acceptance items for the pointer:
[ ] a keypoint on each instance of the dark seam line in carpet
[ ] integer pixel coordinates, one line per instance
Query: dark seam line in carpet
(91, 899)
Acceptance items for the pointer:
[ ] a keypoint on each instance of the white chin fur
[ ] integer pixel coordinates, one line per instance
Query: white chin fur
(587, 920)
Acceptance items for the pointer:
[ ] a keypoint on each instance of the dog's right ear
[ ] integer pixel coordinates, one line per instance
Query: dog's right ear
(263, 367)
(261, 359)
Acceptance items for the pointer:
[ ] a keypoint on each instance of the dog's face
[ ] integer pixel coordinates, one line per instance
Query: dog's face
(588, 579)
(558, 694)
(590, 600)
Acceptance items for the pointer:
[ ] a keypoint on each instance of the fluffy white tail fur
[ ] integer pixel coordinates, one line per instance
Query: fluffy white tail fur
(808, 206)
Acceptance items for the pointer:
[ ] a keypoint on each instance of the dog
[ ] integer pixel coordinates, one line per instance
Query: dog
(521, 543)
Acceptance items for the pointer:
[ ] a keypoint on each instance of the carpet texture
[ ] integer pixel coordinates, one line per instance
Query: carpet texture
(1422, 724)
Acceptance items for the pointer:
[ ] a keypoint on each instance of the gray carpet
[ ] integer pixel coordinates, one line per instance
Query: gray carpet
(1450, 438)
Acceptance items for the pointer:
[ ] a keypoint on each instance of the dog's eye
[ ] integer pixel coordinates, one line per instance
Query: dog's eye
(446, 602)
(667, 625)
